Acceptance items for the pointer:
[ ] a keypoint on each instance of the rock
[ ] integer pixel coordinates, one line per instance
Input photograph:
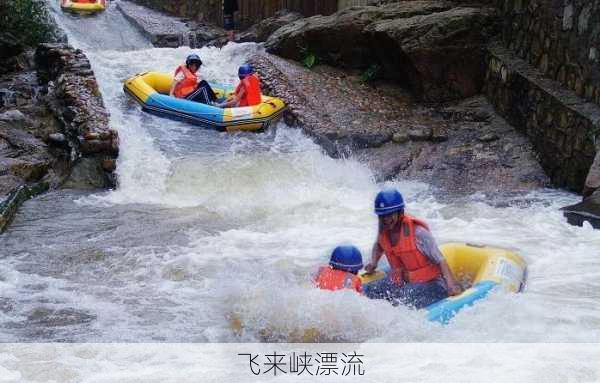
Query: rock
(168, 31)
(592, 182)
(86, 174)
(439, 134)
(436, 49)
(588, 210)
(261, 31)
(109, 165)
(420, 133)
(30, 171)
(400, 137)
(15, 118)
(441, 55)
(203, 34)
(488, 137)
(75, 100)
(9, 205)
(451, 163)
(58, 139)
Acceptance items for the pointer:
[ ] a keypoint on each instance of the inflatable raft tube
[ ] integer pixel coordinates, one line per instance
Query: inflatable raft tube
(83, 6)
(484, 268)
(151, 90)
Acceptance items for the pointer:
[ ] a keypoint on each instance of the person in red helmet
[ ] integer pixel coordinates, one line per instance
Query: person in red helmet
(344, 265)
(187, 84)
(419, 273)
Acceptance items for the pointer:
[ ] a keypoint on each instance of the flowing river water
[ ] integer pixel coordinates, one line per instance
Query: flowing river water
(206, 226)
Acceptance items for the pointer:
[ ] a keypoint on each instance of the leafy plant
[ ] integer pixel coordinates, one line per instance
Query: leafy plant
(25, 21)
(371, 73)
(309, 58)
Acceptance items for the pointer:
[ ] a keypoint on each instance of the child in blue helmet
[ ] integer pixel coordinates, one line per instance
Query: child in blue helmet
(247, 93)
(342, 272)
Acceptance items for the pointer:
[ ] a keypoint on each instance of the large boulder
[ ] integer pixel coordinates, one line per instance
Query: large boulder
(261, 31)
(592, 182)
(586, 211)
(434, 48)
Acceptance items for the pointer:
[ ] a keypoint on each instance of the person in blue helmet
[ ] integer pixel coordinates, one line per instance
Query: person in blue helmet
(344, 265)
(247, 92)
(187, 83)
(419, 274)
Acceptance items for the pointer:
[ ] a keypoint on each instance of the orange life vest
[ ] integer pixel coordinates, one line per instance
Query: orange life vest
(188, 84)
(252, 95)
(406, 256)
(329, 278)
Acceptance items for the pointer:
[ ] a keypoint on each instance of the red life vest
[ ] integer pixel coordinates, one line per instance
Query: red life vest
(252, 95)
(188, 84)
(332, 279)
(405, 254)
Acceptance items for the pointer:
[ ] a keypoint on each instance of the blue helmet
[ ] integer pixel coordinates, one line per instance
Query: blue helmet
(389, 201)
(347, 258)
(245, 70)
(193, 58)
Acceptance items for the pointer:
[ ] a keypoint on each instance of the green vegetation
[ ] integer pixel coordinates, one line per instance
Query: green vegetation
(24, 23)
(309, 58)
(371, 73)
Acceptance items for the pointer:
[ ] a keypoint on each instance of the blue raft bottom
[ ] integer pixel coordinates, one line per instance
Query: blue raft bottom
(420, 295)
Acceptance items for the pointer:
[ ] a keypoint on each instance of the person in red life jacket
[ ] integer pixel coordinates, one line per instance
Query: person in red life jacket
(247, 92)
(344, 264)
(419, 274)
(187, 84)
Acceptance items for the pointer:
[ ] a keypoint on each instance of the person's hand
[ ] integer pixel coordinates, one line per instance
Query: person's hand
(370, 268)
(454, 288)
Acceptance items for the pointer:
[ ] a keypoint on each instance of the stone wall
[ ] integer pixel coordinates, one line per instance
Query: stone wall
(562, 126)
(559, 37)
(75, 100)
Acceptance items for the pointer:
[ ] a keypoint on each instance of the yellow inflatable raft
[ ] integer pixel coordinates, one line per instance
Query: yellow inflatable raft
(151, 90)
(481, 268)
(83, 6)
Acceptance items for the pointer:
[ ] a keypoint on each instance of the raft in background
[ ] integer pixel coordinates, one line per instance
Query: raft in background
(151, 90)
(484, 268)
(85, 7)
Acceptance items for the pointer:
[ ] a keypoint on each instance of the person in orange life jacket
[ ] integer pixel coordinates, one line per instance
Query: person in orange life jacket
(247, 92)
(344, 264)
(187, 84)
(419, 273)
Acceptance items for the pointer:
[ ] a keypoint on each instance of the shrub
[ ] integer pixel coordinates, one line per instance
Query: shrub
(24, 22)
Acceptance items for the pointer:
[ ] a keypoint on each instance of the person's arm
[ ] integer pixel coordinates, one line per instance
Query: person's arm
(234, 101)
(453, 287)
(176, 80)
(172, 91)
(427, 245)
(376, 255)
